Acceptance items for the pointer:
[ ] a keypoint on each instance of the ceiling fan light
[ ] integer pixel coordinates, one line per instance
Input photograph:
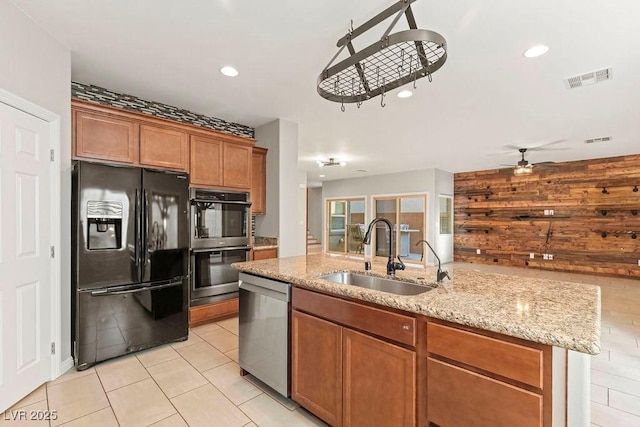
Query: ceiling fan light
(523, 170)
(320, 163)
(343, 163)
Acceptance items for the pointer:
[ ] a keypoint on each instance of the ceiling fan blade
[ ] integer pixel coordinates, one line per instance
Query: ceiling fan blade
(543, 147)
(501, 153)
(545, 164)
(509, 166)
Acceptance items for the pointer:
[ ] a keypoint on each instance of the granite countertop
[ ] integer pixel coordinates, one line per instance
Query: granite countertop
(263, 247)
(561, 314)
(261, 242)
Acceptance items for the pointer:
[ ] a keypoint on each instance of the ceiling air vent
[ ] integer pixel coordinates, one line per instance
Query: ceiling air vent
(594, 140)
(589, 78)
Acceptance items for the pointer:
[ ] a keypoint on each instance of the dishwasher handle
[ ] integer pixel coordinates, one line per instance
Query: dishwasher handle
(270, 293)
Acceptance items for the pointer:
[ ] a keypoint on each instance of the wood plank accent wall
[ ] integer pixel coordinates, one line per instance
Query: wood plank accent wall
(595, 226)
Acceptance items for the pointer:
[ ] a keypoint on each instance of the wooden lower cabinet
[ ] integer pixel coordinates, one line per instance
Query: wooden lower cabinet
(207, 313)
(258, 254)
(378, 382)
(458, 397)
(347, 378)
(316, 366)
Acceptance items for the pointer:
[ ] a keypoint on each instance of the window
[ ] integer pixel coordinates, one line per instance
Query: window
(446, 214)
(408, 216)
(345, 226)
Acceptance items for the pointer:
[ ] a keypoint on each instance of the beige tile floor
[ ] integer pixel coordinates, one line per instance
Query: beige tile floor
(197, 382)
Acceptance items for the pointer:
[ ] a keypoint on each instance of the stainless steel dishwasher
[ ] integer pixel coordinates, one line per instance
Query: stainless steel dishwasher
(264, 330)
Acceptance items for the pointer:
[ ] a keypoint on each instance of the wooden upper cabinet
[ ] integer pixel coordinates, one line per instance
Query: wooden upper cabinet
(259, 181)
(206, 161)
(102, 137)
(164, 148)
(236, 165)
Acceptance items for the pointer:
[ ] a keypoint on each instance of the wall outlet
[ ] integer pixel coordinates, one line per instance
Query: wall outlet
(545, 256)
(550, 211)
(478, 251)
(546, 211)
(550, 256)
(639, 263)
(532, 255)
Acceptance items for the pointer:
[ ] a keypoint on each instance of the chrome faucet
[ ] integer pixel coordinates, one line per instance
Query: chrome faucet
(441, 274)
(392, 266)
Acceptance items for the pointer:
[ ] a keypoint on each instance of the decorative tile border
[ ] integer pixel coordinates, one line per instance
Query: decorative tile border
(103, 96)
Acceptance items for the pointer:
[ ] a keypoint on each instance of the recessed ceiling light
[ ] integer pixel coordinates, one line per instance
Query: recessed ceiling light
(405, 94)
(322, 176)
(537, 50)
(229, 71)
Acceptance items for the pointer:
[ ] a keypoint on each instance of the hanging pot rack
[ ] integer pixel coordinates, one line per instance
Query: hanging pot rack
(393, 61)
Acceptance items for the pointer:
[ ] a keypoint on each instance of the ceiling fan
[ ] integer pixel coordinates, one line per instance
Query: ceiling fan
(523, 167)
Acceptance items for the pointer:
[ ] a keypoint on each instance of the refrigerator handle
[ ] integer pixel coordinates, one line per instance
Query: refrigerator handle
(145, 226)
(137, 228)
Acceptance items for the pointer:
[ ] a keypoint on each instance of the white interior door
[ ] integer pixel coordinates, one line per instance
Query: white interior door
(25, 264)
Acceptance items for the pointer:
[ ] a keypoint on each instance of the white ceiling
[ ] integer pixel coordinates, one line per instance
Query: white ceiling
(486, 96)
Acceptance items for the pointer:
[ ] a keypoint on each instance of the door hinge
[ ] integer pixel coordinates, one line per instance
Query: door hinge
(52, 251)
(53, 348)
(51, 155)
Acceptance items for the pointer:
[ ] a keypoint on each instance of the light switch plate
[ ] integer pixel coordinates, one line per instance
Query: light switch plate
(532, 255)
(478, 251)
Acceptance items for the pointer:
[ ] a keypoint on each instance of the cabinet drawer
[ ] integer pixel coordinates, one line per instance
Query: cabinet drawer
(457, 397)
(506, 359)
(379, 322)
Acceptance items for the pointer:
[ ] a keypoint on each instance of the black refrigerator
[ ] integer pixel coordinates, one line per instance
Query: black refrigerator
(130, 260)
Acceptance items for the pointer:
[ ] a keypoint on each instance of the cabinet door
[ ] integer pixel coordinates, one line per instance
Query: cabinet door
(106, 138)
(316, 366)
(258, 181)
(259, 254)
(385, 374)
(237, 166)
(206, 161)
(164, 148)
(457, 397)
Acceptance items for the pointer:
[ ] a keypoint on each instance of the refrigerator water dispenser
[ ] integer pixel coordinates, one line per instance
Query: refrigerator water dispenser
(104, 225)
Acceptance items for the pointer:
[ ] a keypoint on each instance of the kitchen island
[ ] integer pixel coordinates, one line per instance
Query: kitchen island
(478, 331)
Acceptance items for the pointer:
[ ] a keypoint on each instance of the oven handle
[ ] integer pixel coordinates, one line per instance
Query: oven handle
(235, 248)
(224, 202)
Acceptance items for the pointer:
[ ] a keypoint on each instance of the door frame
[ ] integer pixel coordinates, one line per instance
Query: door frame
(54, 188)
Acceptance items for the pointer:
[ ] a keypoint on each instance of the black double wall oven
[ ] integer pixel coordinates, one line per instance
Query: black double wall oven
(220, 235)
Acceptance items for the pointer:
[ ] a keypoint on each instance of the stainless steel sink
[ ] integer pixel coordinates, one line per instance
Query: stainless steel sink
(377, 283)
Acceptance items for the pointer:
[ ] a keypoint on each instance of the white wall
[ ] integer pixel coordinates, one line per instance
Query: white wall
(286, 188)
(37, 68)
(315, 211)
(431, 181)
